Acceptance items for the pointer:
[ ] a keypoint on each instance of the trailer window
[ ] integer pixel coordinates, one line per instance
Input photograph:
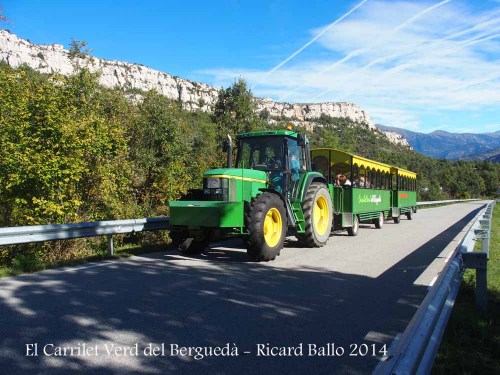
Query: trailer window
(320, 164)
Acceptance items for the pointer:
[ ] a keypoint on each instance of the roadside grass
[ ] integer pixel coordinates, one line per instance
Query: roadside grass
(471, 343)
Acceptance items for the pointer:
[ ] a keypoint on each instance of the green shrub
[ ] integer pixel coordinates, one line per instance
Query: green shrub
(26, 263)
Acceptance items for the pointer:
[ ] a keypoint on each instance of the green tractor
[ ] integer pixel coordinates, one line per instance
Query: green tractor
(270, 190)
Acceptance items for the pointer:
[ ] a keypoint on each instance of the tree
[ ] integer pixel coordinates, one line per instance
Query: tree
(235, 110)
(78, 49)
(63, 157)
(160, 146)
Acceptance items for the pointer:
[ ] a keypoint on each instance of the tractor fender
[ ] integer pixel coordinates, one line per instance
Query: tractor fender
(308, 180)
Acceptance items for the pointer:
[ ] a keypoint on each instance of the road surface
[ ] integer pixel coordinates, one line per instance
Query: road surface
(328, 310)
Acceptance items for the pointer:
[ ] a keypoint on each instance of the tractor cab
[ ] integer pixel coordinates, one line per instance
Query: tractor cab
(283, 155)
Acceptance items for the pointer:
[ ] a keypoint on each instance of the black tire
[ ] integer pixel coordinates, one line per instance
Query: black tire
(379, 222)
(396, 219)
(353, 231)
(319, 226)
(190, 244)
(267, 225)
(409, 215)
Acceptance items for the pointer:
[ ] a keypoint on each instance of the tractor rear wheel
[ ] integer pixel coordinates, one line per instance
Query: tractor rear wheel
(267, 225)
(317, 209)
(190, 243)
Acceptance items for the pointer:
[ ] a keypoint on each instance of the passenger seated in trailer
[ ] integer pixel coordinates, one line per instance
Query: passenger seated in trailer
(367, 183)
(358, 182)
(342, 180)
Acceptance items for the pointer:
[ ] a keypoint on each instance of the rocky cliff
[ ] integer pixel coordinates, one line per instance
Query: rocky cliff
(55, 59)
(193, 95)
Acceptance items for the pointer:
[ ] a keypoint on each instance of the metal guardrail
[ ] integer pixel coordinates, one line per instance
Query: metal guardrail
(415, 350)
(41, 233)
(429, 203)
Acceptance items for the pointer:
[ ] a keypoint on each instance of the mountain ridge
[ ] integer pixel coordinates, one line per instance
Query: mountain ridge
(454, 146)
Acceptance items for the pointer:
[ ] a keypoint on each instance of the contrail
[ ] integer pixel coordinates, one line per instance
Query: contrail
(309, 43)
(470, 84)
(444, 52)
(378, 41)
(489, 20)
(426, 45)
(462, 44)
(362, 50)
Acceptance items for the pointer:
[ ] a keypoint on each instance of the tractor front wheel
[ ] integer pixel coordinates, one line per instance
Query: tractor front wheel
(190, 243)
(267, 224)
(317, 208)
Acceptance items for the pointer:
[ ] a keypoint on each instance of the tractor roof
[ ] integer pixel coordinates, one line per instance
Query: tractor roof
(265, 133)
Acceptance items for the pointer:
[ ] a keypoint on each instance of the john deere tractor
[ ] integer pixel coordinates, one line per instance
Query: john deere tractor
(270, 190)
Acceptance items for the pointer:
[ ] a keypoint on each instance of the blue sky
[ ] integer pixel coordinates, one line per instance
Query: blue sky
(419, 65)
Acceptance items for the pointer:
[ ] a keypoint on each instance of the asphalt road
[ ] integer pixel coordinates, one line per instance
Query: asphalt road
(327, 310)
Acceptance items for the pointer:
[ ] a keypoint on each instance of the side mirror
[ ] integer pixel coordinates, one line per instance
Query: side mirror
(301, 139)
(227, 146)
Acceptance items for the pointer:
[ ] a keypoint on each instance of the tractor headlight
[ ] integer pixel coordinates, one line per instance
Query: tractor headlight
(216, 188)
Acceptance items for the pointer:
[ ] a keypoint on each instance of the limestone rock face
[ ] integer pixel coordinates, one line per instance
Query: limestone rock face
(307, 112)
(397, 139)
(55, 58)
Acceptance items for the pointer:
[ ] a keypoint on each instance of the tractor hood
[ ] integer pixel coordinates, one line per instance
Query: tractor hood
(252, 175)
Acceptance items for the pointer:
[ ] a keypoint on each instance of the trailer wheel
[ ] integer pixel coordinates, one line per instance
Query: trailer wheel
(409, 215)
(353, 231)
(190, 243)
(267, 224)
(379, 222)
(317, 209)
(396, 219)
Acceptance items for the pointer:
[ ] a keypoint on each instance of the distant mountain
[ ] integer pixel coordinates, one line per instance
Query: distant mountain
(445, 145)
(493, 155)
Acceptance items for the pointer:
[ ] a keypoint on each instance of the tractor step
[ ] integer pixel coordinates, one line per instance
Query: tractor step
(298, 215)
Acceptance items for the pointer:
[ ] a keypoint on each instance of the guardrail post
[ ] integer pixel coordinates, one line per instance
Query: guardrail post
(478, 261)
(111, 247)
(481, 288)
(485, 246)
(486, 240)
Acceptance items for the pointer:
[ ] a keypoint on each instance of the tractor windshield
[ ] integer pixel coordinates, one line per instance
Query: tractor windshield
(264, 153)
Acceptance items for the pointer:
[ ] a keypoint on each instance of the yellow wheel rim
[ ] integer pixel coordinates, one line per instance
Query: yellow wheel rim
(321, 215)
(272, 227)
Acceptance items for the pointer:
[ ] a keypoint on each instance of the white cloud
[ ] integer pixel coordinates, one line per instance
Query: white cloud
(446, 59)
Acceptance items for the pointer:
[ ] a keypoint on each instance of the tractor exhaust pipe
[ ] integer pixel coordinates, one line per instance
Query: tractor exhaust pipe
(228, 147)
